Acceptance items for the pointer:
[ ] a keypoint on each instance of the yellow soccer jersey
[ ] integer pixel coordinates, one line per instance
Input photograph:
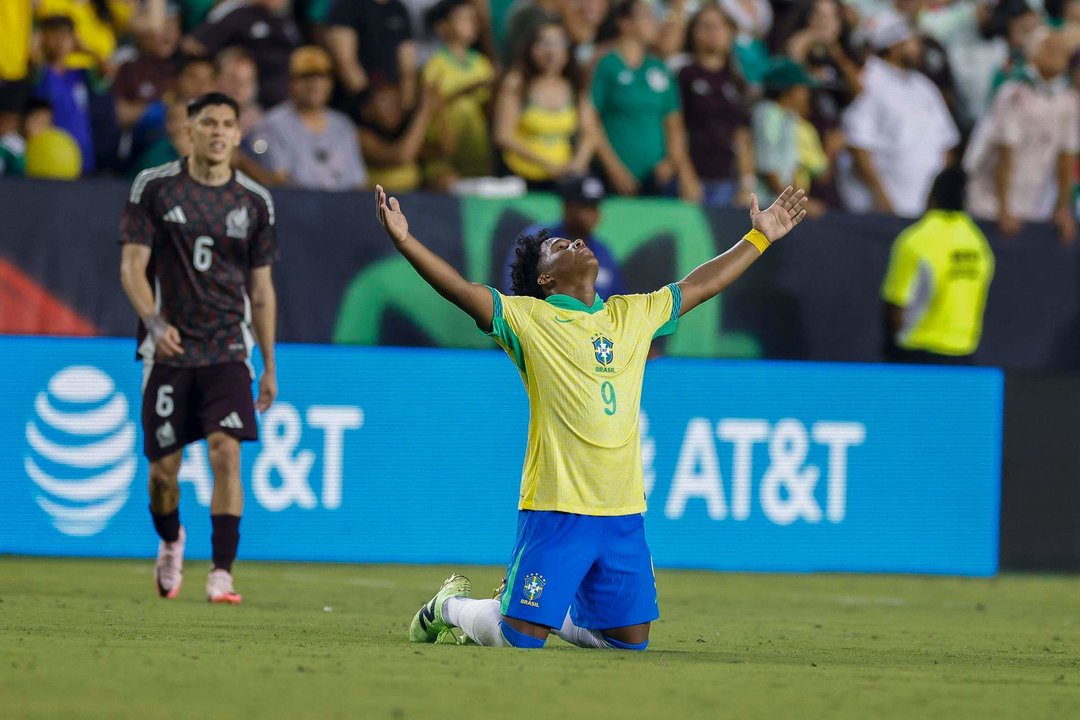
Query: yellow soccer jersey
(583, 369)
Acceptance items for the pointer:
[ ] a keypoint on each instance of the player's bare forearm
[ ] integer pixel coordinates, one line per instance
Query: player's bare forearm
(473, 298)
(710, 279)
(264, 314)
(133, 262)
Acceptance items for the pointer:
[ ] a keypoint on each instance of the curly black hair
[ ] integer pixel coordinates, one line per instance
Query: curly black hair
(524, 270)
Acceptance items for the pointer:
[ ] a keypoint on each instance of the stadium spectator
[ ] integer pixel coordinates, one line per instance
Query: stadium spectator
(463, 77)
(1015, 20)
(786, 146)
(964, 28)
(371, 42)
(525, 16)
(753, 20)
(642, 141)
(716, 112)
(817, 34)
(1022, 156)
(37, 117)
(97, 23)
(238, 77)
(265, 27)
(16, 22)
(66, 89)
(581, 199)
(147, 75)
(543, 123)
(899, 130)
(934, 292)
(590, 19)
(305, 143)
(196, 76)
(394, 139)
(174, 145)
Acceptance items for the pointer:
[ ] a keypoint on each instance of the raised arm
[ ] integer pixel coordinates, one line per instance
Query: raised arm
(473, 298)
(710, 279)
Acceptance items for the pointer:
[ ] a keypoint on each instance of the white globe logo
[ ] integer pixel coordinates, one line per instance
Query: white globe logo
(81, 443)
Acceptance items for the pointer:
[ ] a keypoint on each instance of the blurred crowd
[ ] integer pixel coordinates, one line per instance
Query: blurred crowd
(862, 101)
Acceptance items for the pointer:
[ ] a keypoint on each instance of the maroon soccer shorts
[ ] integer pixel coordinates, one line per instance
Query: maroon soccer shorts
(181, 405)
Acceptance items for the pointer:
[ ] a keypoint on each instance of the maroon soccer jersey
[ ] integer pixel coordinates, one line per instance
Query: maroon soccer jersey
(204, 242)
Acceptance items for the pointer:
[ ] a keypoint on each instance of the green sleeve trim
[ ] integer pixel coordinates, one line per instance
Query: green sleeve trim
(676, 307)
(503, 333)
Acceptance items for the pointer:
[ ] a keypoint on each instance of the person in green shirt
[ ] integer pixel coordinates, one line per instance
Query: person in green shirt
(642, 146)
(935, 288)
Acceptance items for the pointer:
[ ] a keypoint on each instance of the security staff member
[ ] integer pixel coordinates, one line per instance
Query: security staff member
(935, 288)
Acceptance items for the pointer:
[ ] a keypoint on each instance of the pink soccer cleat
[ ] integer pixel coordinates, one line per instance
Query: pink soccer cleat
(169, 566)
(219, 588)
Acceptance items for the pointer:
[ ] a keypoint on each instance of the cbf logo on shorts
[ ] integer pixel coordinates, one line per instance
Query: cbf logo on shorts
(81, 450)
(533, 588)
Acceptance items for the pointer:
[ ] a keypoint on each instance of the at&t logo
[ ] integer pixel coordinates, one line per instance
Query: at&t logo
(81, 445)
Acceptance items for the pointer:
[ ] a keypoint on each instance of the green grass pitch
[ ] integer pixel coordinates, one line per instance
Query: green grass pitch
(88, 639)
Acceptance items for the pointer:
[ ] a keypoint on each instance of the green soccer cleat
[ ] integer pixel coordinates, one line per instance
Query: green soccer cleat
(428, 623)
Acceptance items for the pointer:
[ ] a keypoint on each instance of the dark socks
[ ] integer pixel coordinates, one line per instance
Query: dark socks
(168, 525)
(225, 539)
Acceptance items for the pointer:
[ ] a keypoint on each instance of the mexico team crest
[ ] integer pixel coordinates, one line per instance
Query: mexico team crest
(604, 350)
(236, 223)
(532, 589)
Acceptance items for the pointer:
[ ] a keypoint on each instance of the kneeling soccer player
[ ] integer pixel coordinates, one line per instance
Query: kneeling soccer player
(580, 566)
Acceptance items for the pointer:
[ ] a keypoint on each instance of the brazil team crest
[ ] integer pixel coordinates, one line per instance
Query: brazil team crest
(532, 589)
(604, 350)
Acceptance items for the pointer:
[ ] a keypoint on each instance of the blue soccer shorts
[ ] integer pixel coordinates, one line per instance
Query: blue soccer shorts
(599, 568)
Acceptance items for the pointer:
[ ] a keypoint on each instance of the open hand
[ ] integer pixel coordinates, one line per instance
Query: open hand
(390, 216)
(778, 219)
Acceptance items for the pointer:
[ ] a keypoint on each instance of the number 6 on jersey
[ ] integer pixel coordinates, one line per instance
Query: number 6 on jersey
(203, 257)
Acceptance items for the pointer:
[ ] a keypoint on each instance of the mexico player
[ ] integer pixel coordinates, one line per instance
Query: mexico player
(196, 236)
(581, 566)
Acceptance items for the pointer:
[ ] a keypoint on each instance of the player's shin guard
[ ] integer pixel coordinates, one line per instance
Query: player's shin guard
(518, 639)
(167, 525)
(225, 539)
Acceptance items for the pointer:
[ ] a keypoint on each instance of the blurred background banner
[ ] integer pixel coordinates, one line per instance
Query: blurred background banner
(340, 280)
(370, 454)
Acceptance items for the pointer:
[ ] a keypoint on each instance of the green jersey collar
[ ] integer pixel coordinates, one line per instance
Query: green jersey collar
(565, 302)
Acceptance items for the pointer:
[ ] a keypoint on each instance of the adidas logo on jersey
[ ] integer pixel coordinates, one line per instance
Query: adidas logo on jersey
(232, 421)
(175, 215)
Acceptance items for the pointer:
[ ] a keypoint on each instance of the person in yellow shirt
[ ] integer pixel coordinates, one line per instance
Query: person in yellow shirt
(935, 288)
(16, 24)
(463, 78)
(97, 25)
(581, 566)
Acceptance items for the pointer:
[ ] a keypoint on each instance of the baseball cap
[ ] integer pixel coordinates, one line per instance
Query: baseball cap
(310, 60)
(783, 73)
(887, 29)
(584, 190)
